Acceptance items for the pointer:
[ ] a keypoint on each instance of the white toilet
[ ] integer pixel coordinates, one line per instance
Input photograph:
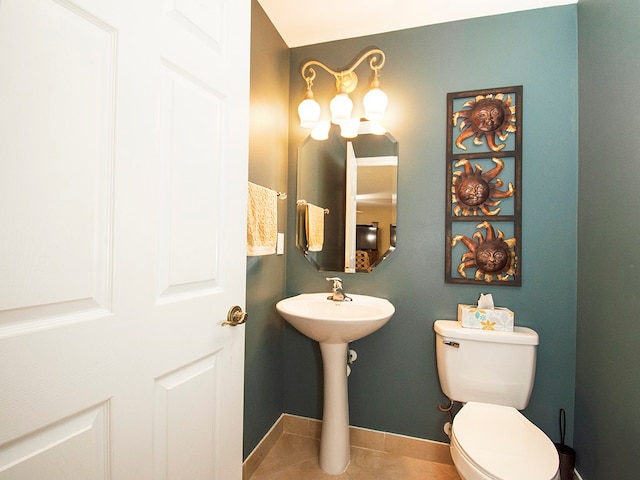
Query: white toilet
(492, 374)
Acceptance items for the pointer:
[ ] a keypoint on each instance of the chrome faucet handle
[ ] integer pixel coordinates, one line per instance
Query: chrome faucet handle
(337, 293)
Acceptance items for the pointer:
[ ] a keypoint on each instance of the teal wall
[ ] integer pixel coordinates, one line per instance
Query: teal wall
(394, 385)
(268, 143)
(607, 383)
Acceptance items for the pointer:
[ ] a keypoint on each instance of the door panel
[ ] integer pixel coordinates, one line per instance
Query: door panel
(203, 20)
(75, 447)
(191, 153)
(57, 163)
(196, 386)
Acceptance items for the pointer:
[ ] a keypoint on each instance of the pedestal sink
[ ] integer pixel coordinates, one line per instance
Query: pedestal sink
(334, 324)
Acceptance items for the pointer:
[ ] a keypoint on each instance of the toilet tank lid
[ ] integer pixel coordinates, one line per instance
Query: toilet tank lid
(453, 329)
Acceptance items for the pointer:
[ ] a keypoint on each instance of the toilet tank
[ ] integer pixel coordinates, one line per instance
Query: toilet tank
(486, 366)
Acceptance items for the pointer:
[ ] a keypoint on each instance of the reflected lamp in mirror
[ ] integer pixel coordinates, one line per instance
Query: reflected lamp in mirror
(341, 106)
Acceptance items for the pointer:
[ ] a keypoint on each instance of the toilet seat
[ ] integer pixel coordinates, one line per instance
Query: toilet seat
(502, 444)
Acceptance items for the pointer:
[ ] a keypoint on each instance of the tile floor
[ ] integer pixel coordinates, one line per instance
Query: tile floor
(295, 457)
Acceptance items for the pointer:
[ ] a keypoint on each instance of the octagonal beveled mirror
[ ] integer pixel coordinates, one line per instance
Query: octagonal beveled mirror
(347, 192)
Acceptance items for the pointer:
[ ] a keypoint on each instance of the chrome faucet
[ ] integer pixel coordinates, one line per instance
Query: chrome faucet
(337, 293)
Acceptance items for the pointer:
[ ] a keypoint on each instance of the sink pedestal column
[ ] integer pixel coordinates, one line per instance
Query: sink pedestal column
(334, 441)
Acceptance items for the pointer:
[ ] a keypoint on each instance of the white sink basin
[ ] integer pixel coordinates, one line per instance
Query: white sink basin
(327, 321)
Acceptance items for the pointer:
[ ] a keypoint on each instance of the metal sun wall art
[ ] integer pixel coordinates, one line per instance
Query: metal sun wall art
(484, 176)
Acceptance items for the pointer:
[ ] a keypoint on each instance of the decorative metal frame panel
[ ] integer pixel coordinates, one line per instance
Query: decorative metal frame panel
(484, 187)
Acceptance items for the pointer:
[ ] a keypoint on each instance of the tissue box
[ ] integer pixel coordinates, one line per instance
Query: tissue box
(499, 318)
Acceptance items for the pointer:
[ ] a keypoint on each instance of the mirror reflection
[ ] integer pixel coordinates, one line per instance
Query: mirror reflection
(346, 200)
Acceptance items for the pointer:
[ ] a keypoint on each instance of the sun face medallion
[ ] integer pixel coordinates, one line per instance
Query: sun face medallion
(493, 256)
(485, 118)
(474, 192)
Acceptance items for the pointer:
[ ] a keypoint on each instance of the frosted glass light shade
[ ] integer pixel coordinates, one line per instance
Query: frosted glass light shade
(375, 103)
(341, 107)
(309, 112)
(321, 130)
(349, 129)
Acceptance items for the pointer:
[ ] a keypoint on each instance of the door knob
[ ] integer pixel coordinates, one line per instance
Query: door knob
(235, 316)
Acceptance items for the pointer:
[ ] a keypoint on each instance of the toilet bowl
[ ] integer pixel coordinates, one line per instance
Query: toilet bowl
(495, 442)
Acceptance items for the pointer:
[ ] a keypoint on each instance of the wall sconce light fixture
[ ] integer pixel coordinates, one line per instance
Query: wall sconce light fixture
(375, 101)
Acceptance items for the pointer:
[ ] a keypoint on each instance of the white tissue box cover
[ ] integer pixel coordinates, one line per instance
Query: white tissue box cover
(499, 318)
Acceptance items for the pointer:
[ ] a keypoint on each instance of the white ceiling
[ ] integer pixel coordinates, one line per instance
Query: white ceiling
(301, 22)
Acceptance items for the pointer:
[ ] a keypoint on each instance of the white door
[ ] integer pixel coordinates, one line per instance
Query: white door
(123, 168)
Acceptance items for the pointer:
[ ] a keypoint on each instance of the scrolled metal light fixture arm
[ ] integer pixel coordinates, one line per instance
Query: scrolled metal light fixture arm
(346, 80)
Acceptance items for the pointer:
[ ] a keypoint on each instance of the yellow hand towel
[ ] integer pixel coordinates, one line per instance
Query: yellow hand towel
(315, 228)
(262, 221)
